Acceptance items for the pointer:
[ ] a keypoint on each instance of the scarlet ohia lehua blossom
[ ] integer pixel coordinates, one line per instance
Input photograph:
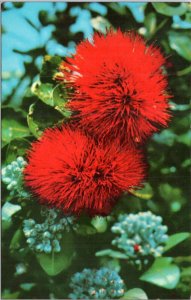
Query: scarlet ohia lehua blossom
(120, 88)
(68, 170)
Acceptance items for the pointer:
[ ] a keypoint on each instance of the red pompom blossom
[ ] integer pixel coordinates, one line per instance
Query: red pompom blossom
(68, 170)
(120, 88)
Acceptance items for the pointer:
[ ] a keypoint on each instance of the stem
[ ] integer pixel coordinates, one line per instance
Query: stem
(184, 71)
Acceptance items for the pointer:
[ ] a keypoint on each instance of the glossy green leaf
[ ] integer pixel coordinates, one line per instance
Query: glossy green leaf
(8, 210)
(186, 163)
(100, 24)
(18, 4)
(85, 230)
(55, 263)
(50, 67)
(16, 147)
(184, 71)
(5, 225)
(185, 138)
(180, 107)
(162, 273)
(135, 294)
(16, 240)
(166, 137)
(150, 23)
(100, 224)
(59, 95)
(104, 252)
(181, 43)
(12, 129)
(33, 126)
(44, 91)
(169, 10)
(27, 286)
(176, 239)
(173, 196)
(60, 100)
(9, 296)
(41, 116)
(111, 263)
(111, 253)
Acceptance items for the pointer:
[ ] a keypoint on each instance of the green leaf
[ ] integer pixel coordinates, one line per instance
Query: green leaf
(60, 100)
(9, 296)
(185, 138)
(100, 223)
(169, 10)
(166, 137)
(111, 263)
(33, 126)
(44, 91)
(59, 95)
(85, 230)
(16, 240)
(16, 147)
(49, 68)
(105, 252)
(27, 286)
(186, 272)
(150, 23)
(172, 195)
(181, 43)
(186, 163)
(100, 24)
(111, 253)
(5, 225)
(175, 239)
(180, 107)
(135, 294)
(184, 71)
(41, 116)
(12, 129)
(162, 273)
(8, 210)
(18, 4)
(55, 263)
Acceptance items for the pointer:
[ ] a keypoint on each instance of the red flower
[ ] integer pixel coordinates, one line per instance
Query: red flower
(119, 87)
(68, 170)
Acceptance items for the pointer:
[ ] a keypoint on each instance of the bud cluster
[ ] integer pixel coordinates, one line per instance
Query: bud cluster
(13, 178)
(46, 237)
(96, 284)
(142, 235)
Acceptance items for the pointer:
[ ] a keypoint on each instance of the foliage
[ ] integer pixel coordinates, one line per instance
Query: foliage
(33, 102)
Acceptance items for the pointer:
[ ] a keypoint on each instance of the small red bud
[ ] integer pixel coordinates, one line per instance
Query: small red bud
(136, 248)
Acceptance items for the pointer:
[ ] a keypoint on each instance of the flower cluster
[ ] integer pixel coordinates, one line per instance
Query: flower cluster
(96, 284)
(12, 176)
(141, 236)
(120, 87)
(69, 170)
(46, 237)
(118, 93)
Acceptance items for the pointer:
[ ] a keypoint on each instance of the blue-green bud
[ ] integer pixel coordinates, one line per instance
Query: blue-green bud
(12, 176)
(47, 234)
(45, 237)
(96, 284)
(47, 248)
(140, 236)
